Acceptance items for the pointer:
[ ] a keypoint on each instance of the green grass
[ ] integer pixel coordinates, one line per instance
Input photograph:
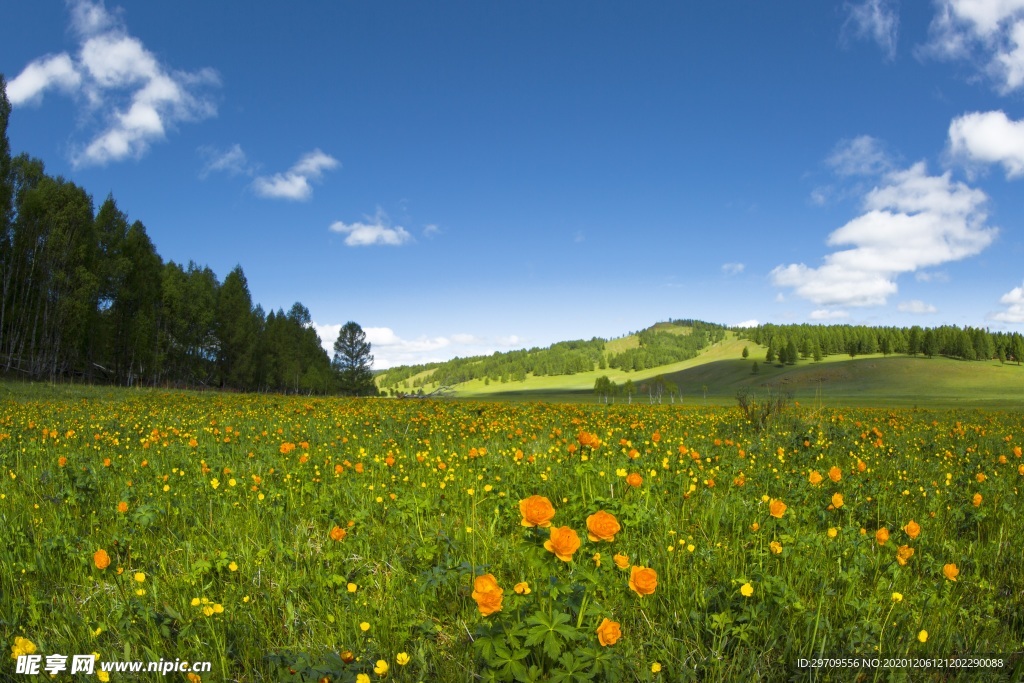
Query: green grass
(718, 373)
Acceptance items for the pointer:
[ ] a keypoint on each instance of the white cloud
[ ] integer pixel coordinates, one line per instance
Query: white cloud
(748, 323)
(232, 161)
(732, 268)
(989, 32)
(430, 230)
(390, 350)
(989, 138)
(137, 98)
(294, 184)
(912, 221)
(375, 231)
(827, 314)
(52, 71)
(876, 20)
(860, 156)
(1014, 302)
(931, 276)
(916, 306)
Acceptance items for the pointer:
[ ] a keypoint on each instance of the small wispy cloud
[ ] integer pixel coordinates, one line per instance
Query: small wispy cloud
(295, 183)
(916, 306)
(874, 20)
(753, 322)
(372, 231)
(828, 314)
(120, 83)
(430, 230)
(232, 161)
(732, 268)
(863, 155)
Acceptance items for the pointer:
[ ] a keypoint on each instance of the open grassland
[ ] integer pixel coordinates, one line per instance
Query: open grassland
(718, 373)
(293, 539)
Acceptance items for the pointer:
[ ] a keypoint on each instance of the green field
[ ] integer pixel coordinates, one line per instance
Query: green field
(717, 374)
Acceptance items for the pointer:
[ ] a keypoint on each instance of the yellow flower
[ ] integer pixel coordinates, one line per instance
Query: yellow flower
(897, 597)
(522, 588)
(362, 678)
(922, 636)
(22, 646)
(352, 588)
(655, 667)
(775, 547)
(102, 676)
(833, 532)
(814, 478)
(364, 626)
(214, 482)
(233, 566)
(380, 668)
(950, 571)
(746, 590)
(195, 602)
(597, 559)
(913, 529)
(621, 561)
(140, 576)
(402, 658)
(776, 508)
(218, 608)
(837, 500)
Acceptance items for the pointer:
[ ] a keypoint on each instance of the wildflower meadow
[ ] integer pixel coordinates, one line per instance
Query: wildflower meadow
(308, 539)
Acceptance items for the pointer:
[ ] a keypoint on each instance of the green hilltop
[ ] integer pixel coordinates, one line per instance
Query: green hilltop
(935, 367)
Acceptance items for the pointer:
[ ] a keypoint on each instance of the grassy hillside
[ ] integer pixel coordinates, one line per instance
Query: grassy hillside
(718, 373)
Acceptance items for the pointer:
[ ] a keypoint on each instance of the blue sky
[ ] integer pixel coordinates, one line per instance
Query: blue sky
(464, 177)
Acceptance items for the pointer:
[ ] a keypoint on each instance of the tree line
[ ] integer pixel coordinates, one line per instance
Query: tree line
(85, 295)
(656, 346)
(788, 343)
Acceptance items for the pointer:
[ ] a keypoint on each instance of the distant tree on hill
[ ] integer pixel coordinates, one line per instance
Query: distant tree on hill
(746, 352)
(791, 352)
(756, 369)
(352, 361)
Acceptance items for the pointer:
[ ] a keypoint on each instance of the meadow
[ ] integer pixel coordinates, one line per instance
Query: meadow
(310, 539)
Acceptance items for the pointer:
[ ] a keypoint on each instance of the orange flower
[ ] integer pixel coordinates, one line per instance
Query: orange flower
(634, 479)
(608, 633)
(913, 529)
(976, 500)
(563, 543)
(775, 547)
(602, 526)
(61, 461)
(643, 580)
(837, 500)
(903, 554)
(122, 507)
(337, 533)
(835, 474)
(101, 559)
(815, 478)
(488, 594)
(536, 511)
(776, 508)
(621, 561)
(882, 536)
(950, 571)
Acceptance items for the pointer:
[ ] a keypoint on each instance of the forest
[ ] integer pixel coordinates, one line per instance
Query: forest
(84, 295)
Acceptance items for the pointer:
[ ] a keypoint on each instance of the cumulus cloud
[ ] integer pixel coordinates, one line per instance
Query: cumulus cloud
(876, 20)
(1014, 302)
(916, 306)
(374, 231)
(389, 349)
(294, 184)
(911, 221)
(135, 96)
(987, 32)
(732, 268)
(989, 138)
(753, 322)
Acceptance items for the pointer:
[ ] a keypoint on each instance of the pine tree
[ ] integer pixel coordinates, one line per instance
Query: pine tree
(352, 361)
